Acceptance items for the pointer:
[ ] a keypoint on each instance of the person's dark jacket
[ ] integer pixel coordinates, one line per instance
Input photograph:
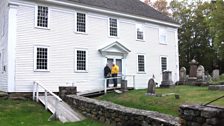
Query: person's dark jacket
(107, 71)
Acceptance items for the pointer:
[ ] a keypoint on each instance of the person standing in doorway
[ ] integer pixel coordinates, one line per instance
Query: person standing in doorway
(107, 72)
(114, 72)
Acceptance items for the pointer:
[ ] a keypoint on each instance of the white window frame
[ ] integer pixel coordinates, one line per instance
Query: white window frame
(35, 58)
(141, 72)
(118, 26)
(166, 63)
(75, 60)
(86, 21)
(163, 33)
(36, 16)
(138, 25)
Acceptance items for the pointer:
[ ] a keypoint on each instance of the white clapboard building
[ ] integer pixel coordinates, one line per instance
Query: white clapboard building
(69, 42)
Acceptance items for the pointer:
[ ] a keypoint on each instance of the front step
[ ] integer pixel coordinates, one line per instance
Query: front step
(64, 112)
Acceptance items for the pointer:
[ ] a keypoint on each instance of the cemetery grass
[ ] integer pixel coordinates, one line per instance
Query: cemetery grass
(29, 113)
(166, 104)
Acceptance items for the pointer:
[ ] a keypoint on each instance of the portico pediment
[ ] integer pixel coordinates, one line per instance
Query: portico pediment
(114, 48)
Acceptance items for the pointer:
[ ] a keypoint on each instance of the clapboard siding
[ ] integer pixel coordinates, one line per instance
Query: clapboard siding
(3, 43)
(63, 40)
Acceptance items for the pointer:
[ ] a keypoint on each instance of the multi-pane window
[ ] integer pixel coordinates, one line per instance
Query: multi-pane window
(141, 63)
(81, 60)
(139, 31)
(164, 63)
(162, 35)
(113, 27)
(42, 16)
(41, 58)
(81, 22)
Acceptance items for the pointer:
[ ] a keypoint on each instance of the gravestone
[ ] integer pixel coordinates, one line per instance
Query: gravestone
(124, 86)
(193, 70)
(166, 79)
(182, 75)
(151, 87)
(215, 74)
(200, 73)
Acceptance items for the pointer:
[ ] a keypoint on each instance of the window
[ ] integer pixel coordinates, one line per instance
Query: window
(162, 36)
(81, 22)
(139, 32)
(163, 63)
(41, 58)
(113, 26)
(42, 17)
(141, 63)
(81, 60)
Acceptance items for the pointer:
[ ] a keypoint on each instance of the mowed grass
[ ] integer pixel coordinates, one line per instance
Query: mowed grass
(166, 104)
(29, 113)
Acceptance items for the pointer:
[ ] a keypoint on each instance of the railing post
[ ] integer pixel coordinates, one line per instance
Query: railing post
(37, 92)
(45, 98)
(134, 81)
(105, 85)
(34, 89)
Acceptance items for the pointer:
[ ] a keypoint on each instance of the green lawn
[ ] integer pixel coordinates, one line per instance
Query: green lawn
(166, 104)
(29, 113)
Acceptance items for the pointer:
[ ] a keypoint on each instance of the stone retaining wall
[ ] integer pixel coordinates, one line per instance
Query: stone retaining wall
(216, 87)
(201, 115)
(117, 115)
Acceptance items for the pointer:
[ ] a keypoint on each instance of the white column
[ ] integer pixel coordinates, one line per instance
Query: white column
(12, 27)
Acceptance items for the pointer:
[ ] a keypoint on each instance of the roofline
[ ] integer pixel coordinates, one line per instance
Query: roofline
(114, 13)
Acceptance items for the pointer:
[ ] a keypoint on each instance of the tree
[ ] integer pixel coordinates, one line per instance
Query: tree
(161, 6)
(194, 36)
(148, 2)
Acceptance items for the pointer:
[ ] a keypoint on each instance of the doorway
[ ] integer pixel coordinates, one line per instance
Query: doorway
(118, 62)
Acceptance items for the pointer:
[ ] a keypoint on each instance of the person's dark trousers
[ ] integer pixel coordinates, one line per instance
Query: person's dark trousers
(107, 80)
(115, 80)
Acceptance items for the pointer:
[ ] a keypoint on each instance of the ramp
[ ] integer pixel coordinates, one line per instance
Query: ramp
(64, 112)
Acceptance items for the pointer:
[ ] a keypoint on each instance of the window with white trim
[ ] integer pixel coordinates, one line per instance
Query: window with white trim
(141, 63)
(163, 63)
(162, 36)
(113, 26)
(81, 22)
(41, 58)
(42, 16)
(139, 30)
(81, 60)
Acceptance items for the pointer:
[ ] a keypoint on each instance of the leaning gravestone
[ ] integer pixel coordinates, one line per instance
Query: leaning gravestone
(151, 87)
(215, 74)
(193, 70)
(166, 79)
(182, 75)
(200, 73)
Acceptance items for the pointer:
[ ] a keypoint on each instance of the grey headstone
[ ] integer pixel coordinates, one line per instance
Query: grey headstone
(215, 74)
(182, 74)
(193, 69)
(200, 73)
(166, 79)
(151, 87)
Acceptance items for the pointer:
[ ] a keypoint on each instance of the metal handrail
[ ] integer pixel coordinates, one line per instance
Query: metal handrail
(36, 86)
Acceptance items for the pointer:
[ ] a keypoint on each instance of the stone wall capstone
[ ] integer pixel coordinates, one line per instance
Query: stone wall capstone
(117, 115)
(198, 115)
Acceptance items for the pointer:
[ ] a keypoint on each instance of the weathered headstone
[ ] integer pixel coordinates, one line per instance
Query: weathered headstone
(151, 87)
(124, 86)
(166, 79)
(193, 70)
(215, 74)
(200, 73)
(182, 75)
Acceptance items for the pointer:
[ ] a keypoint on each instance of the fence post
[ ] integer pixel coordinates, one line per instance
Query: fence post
(34, 89)
(105, 85)
(134, 81)
(45, 98)
(37, 92)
